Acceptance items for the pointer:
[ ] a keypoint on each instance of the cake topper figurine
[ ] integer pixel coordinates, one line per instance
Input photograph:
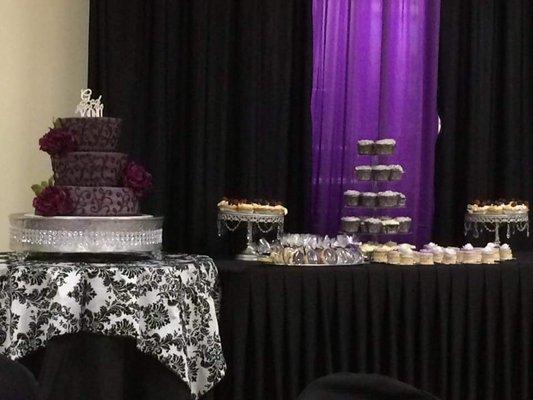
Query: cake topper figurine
(90, 107)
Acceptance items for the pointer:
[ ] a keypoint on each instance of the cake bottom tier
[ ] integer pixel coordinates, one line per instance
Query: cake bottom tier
(102, 201)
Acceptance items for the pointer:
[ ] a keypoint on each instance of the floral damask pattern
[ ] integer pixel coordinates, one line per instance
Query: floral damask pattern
(169, 307)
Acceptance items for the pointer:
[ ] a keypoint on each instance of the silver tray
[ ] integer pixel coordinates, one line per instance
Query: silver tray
(31, 233)
(501, 218)
(235, 216)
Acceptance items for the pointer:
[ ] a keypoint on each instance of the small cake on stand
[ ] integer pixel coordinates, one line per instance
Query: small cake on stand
(262, 215)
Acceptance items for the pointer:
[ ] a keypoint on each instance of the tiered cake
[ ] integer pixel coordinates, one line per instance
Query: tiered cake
(90, 178)
(91, 203)
(93, 175)
(374, 201)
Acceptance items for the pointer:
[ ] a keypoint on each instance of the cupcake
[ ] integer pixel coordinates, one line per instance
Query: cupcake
(426, 257)
(487, 256)
(387, 199)
(363, 227)
(350, 224)
(374, 225)
(363, 172)
(449, 256)
(368, 199)
(351, 198)
(280, 210)
(495, 209)
(521, 207)
(367, 249)
(406, 256)
(479, 255)
(396, 172)
(481, 209)
(385, 146)
(416, 257)
(380, 254)
(381, 173)
(225, 205)
(438, 254)
(245, 208)
(458, 254)
(469, 254)
(509, 208)
(471, 208)
(402, 200)
(505, 252)
(393, 257)
(390, 226)
(405, 224)
(365, 147)
(495, 251)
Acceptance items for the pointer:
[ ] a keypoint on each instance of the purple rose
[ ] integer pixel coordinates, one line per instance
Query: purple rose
(137, 179)
(53, 201)
(58, 141)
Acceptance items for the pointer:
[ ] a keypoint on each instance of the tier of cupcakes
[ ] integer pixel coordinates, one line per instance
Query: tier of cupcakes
(379, 172)
(376, 225)
(387, 199)
(376, 148)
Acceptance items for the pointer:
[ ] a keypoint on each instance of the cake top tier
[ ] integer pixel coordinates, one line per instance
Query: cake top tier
(93, 134)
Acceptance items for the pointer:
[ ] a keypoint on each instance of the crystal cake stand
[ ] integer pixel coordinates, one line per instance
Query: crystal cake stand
(135, 234)
(491, 223)
(264, 222)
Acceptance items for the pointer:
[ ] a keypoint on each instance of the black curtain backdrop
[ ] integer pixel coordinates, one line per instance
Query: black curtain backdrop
(485, 101)
(215, 97)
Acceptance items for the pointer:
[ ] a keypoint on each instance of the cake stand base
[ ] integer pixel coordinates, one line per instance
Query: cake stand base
(31, 234)
(247, 257)
(248, 254)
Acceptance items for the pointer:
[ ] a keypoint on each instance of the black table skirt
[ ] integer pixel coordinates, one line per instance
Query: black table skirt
(86, 366)
(460, 332)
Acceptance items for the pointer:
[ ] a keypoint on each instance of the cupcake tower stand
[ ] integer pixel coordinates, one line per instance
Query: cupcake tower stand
(265, 223)
(376, 210)
(492, 222)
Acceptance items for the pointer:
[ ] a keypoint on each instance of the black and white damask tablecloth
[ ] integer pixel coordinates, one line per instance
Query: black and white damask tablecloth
(169, 307)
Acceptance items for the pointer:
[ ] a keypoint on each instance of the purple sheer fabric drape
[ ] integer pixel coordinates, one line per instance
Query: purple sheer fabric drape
(375, 76)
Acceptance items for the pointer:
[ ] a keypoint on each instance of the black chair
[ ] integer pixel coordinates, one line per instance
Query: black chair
(348, 386)
(16, 382)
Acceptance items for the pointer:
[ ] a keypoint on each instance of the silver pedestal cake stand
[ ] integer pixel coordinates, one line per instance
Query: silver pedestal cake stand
(478, 223)
(264, 222)
(125, 235)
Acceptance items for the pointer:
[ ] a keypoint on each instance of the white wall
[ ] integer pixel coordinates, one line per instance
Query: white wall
(43, 66)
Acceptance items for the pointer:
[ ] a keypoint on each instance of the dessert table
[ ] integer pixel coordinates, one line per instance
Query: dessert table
(167, 309)
(459, 332)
